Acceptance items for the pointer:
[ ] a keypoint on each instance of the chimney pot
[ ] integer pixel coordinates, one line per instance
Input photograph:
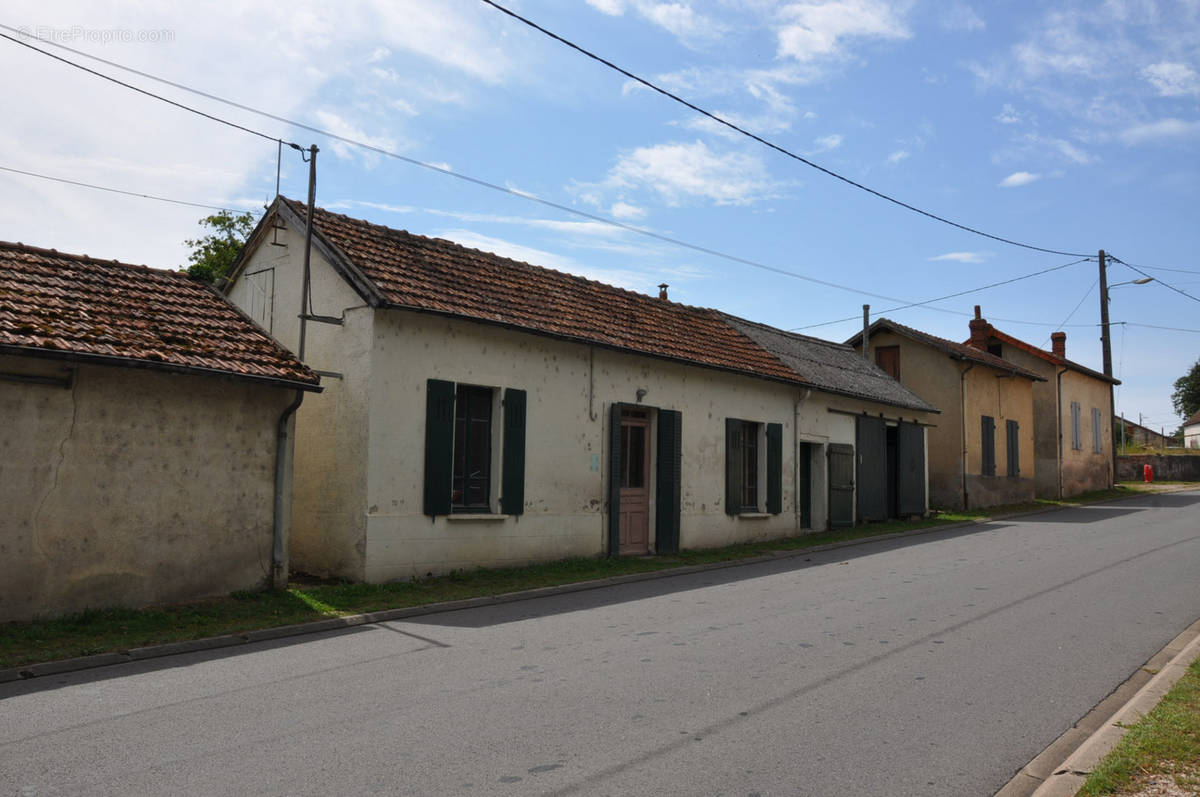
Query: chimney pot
(977, 312)
(662, 290)
(1058, 343)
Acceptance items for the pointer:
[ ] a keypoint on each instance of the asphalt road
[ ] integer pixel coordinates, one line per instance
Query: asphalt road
(935, 665)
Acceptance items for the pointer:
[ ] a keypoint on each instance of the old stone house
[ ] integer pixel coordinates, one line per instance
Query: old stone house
(1073, 432)
(1191, 431)
(483, 411)
(981, 452)
(143, 453)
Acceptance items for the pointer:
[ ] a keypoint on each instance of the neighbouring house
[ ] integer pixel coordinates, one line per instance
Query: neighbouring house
(143, 455)
(1073, 432)
(981, 452)
(482, 411)
(1191, 431)
(1138, 435)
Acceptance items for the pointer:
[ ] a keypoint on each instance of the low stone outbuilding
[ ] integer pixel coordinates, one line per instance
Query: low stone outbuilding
(1191, 431)
(143, 450)
(482, 411)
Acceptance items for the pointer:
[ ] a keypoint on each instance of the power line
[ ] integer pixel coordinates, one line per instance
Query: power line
(1157, 279)
(1162, 268)
(1154, 326)
(131, 87)
(1076, 309)
(429, 166)
(955, 295)
(120, 191)
(764, 141)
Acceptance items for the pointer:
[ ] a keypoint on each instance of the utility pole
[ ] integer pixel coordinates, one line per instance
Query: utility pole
(1106, 346)
(305, 310)
(867, 332)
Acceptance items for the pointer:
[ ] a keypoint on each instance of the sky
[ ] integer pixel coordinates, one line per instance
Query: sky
(1067, 126)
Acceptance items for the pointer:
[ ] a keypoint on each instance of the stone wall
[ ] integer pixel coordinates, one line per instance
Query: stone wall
(1166, 468)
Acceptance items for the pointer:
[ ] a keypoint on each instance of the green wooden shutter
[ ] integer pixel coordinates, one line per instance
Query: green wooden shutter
(614, 480)
(668, 482)
(439, 446)
(774, 468)
(512, 488)
(910, 469)
(988, 432)
(1014, 448)
(733, 466)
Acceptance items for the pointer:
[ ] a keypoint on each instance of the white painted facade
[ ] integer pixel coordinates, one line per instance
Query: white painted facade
(1191, 436)
(360, 447)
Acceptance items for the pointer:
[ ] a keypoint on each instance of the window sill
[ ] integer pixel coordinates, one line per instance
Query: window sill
(754, 515)
(475, 517)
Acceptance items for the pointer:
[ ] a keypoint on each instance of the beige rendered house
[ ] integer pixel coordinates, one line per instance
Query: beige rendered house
(482, 411)
(981, 452)
(143, 454)
(1191, 432)
(1072, 410)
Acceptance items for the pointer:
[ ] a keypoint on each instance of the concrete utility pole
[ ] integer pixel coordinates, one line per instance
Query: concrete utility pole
(305, 310)
(1106, 346)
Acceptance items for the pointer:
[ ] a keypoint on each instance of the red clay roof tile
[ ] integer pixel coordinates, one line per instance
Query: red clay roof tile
(89, 308)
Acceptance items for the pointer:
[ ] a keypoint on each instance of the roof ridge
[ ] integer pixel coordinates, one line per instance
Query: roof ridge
(796, 335)
(85, 258)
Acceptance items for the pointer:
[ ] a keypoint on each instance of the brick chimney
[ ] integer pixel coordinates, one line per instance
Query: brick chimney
(981, 330)
(662, 290)
(1058, 344)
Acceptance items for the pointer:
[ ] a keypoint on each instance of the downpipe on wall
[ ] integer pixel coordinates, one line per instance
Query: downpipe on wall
(796, 457)
(278, 571)
(962, 384)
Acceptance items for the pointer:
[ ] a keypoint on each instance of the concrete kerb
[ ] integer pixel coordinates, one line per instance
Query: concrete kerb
(1070, 775)
(337, 623)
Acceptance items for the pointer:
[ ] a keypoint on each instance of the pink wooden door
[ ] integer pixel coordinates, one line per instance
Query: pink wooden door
(635, 482)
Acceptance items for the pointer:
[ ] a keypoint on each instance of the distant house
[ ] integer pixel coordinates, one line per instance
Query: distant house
(1138, 435)
(483, 411)
(142, 450)
(1073, 410)
(981, 452)
(1191, 431)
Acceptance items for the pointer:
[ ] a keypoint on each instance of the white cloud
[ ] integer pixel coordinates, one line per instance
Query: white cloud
(677, 18)
(1172, 79)
(820, 28)
(962, 17)
(683, 171)
(826, 143)
(611, 7)
(897, 156)
(1161, 130)
(962, 257)
(1008, 115)
(336, 124)
(1018, 179)
(626, 211)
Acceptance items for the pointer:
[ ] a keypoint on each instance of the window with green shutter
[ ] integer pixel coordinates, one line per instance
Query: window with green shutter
(987, 433)
(749, 445)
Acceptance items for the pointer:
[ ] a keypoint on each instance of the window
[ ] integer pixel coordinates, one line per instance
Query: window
(461, 438)
(1076, 433)
(988, 437)
(888, 358)
(749, 448)
(996, 349)
(471, 481)
(1097, 436)
(1014, 448)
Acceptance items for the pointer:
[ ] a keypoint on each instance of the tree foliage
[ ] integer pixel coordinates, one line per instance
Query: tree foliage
(213, 253)
(1186, 396)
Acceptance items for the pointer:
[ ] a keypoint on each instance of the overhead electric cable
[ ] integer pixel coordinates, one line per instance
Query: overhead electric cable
(120, 191)
(764, 141)
(1076, 308)
(953, 296)
(435, 168)
(131, 87)
(1157, 279)
(1162, 268)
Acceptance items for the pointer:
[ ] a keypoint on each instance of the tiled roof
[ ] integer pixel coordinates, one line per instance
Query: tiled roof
(957, 350)
(1049, 357)
(55, 304)
(832, 366)
(1192, 421)
(414, 272)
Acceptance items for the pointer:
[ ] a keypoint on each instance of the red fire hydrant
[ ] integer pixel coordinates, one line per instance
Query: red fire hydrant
(1147, 473)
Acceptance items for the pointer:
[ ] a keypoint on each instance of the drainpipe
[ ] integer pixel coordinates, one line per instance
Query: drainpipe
(796, 457)
(962, 409)
(278, 571)
(1058, 378)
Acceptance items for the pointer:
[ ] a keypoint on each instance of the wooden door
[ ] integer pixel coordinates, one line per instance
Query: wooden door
(635, 482)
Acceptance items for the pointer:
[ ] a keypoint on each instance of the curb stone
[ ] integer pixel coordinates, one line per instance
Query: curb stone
(60, 666)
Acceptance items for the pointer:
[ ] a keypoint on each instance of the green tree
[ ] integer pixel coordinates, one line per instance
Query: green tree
(213, 254)
(1186, 396)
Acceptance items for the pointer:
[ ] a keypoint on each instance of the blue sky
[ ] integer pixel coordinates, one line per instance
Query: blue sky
(1069, 126)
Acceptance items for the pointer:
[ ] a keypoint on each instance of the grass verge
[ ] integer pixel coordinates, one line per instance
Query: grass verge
(106, 630)
(1161, 750)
